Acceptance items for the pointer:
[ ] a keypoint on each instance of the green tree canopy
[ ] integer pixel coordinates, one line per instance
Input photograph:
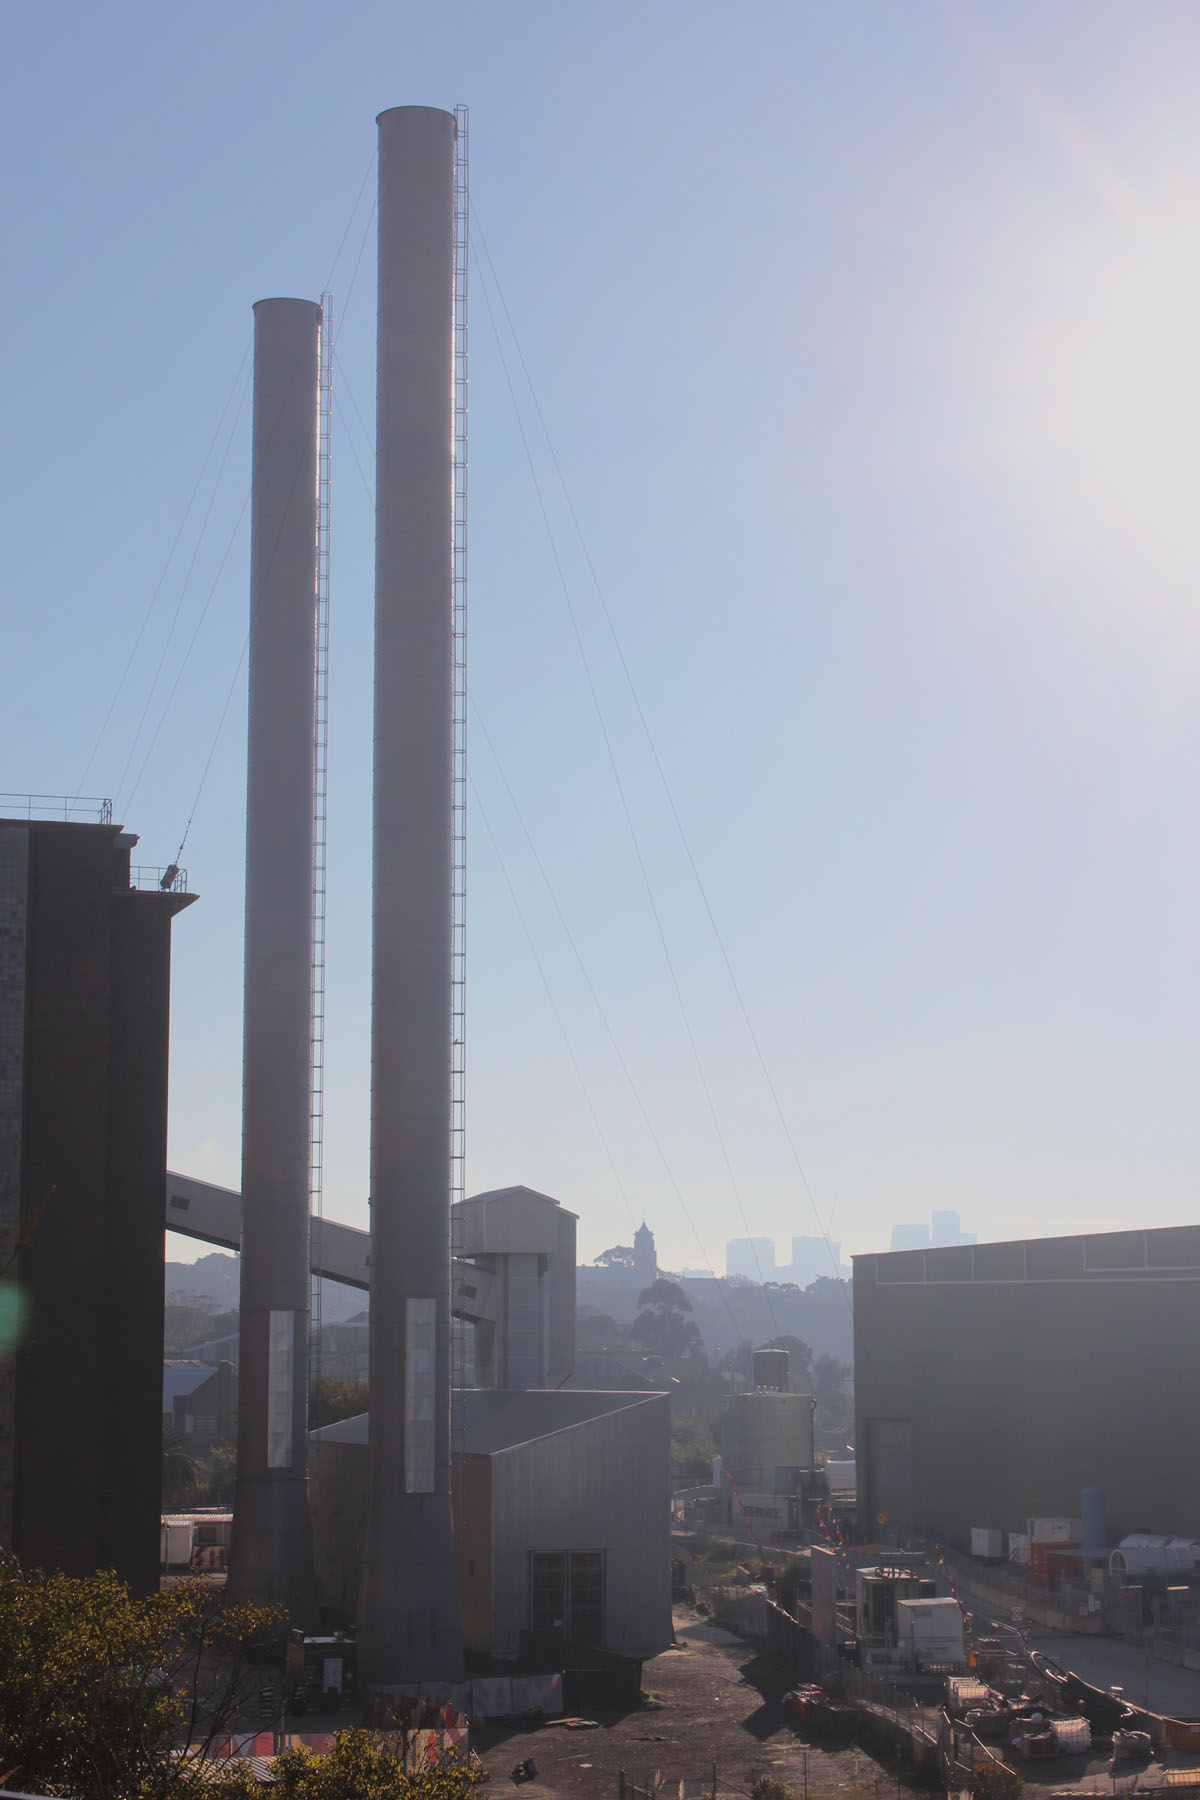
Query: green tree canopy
(666, 1294)
(741, 1360)
(598, 1331)
(661, 1326)
(360, 1766)
(100, 1690)
(218, 1477)
(693, 1447)
(189, 1320)
(330, 1398)
(180, 1474)
(620, 1256)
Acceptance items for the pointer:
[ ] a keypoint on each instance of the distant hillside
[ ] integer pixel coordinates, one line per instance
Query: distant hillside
(217, 1277)
(731, 1312)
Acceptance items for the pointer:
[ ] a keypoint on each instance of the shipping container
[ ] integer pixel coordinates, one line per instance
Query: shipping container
(930, 1633)
(1051, 1564)
(175, 1543)
(1056, 1531)
(987, 1543)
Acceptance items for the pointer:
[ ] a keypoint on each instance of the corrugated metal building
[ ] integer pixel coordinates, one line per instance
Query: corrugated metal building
(563, 1521)
(997, 1381)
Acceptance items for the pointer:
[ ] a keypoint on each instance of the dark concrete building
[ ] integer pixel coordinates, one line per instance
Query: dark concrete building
(204, 1413)
(995, 1382)
(85, 953)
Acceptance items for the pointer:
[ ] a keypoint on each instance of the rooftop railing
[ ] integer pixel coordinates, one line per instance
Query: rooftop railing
(72, 809)
(171, 880)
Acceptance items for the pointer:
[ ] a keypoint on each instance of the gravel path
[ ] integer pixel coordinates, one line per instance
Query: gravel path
(716, 1701)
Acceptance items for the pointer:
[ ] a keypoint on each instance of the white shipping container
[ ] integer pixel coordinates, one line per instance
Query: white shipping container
(1018, 1548)
(175, 1543)
(930, 1631)
(986, 1542)
(1056, 1531)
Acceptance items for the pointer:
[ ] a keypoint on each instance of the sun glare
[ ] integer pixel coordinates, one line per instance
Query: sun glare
(1129, 391)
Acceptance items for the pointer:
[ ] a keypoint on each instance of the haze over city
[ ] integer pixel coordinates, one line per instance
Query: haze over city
(864, 340)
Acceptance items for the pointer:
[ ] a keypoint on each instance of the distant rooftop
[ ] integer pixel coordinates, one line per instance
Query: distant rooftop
(501, 1418)
(1164, 1253)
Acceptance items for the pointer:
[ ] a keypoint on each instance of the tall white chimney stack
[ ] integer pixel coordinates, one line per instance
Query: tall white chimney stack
(271, 1556)
(409, 1614)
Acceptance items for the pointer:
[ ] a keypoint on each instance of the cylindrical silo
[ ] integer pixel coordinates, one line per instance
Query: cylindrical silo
(1095, 1525)
(764, 1432)
(271, 1555)
(772, 1371)
(409, 1617)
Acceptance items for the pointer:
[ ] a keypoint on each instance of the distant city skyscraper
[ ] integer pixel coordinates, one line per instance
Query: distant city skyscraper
(812, 1258)
(753, 1258)
(944, 1228)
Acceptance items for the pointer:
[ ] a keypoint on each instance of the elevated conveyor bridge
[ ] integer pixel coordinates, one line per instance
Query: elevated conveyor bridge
(213, 1215)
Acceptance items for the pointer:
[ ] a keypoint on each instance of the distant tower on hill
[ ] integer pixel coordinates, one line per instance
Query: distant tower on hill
(645, 1257)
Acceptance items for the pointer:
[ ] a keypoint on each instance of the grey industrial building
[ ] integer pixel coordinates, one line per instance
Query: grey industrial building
(562, 1527)
(562, 1496)
(995, 1382)
(85, 956)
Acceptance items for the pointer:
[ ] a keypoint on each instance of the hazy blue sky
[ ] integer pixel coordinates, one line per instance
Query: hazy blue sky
(866, 337)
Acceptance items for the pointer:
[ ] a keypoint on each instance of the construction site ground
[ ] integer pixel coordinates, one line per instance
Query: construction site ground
(716, 1701)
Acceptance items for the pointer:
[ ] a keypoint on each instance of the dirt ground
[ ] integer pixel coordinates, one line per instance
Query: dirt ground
(716, 1702)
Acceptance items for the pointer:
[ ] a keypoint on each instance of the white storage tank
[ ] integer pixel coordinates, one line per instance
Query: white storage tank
(764, 1433)
(772, 1370)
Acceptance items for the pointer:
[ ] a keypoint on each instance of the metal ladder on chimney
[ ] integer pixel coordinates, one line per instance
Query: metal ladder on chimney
(316, 1133)
(458, 809)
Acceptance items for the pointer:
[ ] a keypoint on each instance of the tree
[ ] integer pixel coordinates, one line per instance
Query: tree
(218, 1478)
(662, 1292)
(360, 1766)
(193, 1319)
(330, 1398)
(100, 1691)
(693, 1447)
(598, 1331)
(180, 1474)
(620, 1256)
(741, 1360)
(661, 1327)
(832, 1386)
